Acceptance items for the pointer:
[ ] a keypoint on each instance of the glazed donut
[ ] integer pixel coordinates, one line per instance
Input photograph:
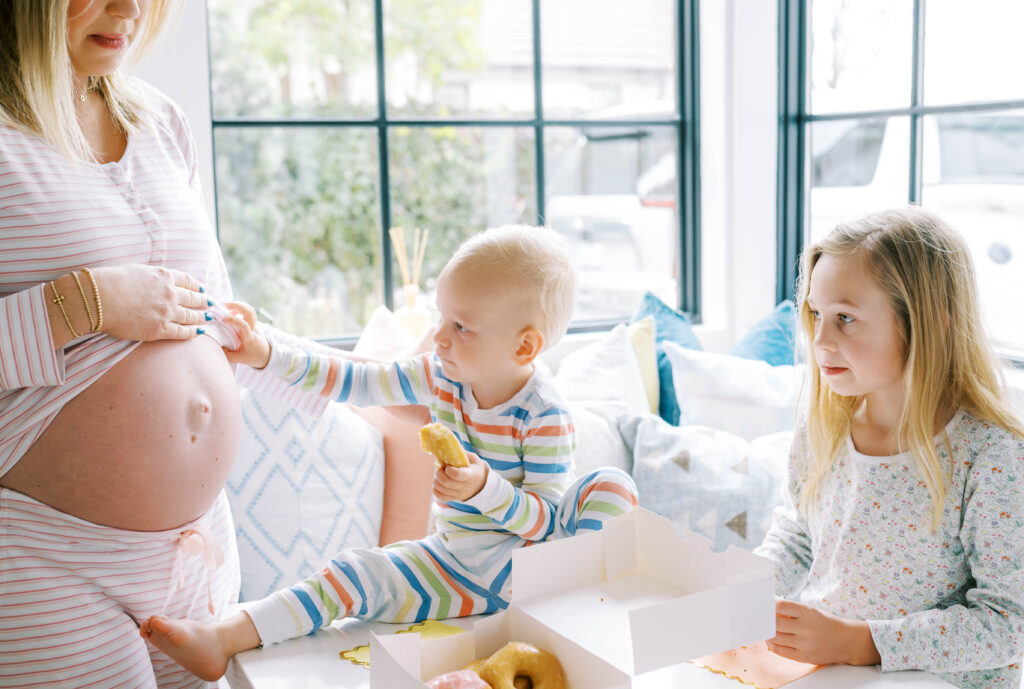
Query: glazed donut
(518, 659)
(441, 442)
(460, 679)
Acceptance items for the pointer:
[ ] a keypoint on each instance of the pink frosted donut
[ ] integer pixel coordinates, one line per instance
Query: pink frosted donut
(460, 679)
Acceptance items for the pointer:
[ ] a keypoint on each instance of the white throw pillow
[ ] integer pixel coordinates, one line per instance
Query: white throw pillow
(599, 443)
(602, 382)
(744, 397)
(604, 376)
(301, 490)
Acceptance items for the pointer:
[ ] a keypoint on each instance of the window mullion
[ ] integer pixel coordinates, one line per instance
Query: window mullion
(916, 100)
(792, 197)
(382, 155)
(538, 117)
(688, 156)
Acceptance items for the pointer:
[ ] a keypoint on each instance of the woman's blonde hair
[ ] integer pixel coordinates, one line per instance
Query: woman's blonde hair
(925, 269)
(531, 263)
(37, 88)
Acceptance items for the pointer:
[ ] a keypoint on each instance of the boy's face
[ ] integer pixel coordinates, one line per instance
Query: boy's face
(478, 334)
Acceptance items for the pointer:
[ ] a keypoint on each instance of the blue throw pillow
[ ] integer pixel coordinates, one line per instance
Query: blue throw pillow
(674, 326)
(773, 339)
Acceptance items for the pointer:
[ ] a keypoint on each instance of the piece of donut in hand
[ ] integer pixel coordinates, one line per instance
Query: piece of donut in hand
(460, 679)
(518, 660)
(441, 442)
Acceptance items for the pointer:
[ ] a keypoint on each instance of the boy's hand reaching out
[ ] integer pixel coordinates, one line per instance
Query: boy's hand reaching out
(459, 484)
(255, 348)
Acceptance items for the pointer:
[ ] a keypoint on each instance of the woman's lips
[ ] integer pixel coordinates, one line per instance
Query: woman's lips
(111, 41)
(833, 370)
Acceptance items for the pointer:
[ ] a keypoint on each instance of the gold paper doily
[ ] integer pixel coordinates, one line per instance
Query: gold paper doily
(428, 629)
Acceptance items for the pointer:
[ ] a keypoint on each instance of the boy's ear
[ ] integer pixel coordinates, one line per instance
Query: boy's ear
(531, 342)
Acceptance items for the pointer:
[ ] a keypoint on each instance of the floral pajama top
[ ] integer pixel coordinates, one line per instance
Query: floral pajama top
(949, 601)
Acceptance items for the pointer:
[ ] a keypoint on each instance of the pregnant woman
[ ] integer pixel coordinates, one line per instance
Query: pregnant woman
(119, 414)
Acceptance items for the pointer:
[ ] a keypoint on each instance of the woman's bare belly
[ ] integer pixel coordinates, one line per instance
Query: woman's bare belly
(147, 447)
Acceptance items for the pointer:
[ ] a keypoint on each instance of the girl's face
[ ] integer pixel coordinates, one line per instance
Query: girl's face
(100, 32)
(857, 344)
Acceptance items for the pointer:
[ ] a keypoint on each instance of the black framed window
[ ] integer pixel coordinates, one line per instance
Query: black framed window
(334, 122)
(890, 102)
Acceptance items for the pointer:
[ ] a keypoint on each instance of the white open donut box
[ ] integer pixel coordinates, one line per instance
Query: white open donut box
(630, 599)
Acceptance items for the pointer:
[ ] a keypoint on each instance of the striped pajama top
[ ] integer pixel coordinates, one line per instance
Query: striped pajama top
(527, 442)
(57, 216)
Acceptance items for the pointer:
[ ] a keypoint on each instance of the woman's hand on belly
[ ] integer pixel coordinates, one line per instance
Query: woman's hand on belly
(145, 303)
(136, 302)
(146, 447)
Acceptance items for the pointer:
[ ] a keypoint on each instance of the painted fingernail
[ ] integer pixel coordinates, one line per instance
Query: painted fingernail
(202, 290)
(209, 302)
(200, 331)
(208, 316)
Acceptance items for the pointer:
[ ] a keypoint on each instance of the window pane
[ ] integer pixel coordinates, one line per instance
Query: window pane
(613, 192)
(457, 181)
(861, 55)
(459, 58)
(974, 179)
(973, 52)
(270, 60)
(607, 58)
(299, 218)
(856, 167)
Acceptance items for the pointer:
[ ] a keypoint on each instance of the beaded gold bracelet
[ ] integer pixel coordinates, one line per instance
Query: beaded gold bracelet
(99, 302)
(58, 299)
(85, 301)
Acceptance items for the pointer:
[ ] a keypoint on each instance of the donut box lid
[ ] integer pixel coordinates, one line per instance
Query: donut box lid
(631, 599)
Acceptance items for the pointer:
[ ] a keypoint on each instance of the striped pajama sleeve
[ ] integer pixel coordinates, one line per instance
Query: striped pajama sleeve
(341, 379)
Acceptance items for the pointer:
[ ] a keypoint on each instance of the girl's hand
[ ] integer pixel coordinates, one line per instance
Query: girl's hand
(810, 635)
(459, 484)
(145, 303)
(254, 349)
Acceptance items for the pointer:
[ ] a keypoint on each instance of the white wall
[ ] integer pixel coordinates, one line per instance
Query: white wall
(739, 125)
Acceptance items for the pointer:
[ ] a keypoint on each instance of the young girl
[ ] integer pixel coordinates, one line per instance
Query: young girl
(901, 540)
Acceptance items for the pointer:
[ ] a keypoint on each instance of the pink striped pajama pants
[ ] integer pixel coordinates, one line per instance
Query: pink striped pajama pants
(72, 594)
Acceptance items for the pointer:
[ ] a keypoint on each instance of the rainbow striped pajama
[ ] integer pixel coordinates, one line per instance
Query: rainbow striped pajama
(530, 496)
(412, 581)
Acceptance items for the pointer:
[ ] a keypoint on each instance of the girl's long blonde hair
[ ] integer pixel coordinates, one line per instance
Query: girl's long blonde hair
(37, 89)
(926, 271)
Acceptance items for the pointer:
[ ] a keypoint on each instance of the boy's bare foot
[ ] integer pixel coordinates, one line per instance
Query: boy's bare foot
(196, 646)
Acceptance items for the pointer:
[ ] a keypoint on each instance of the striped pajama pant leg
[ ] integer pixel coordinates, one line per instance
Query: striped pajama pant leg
(409, 581)
(592, 500)
(72, 593)
(416, 580)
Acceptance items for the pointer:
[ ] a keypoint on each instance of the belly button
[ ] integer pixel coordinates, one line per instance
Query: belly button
(199, 415)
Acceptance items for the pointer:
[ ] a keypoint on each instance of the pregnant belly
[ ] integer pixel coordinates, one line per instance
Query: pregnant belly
(147, 447)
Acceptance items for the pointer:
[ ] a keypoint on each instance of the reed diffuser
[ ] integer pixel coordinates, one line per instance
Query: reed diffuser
(412, 314)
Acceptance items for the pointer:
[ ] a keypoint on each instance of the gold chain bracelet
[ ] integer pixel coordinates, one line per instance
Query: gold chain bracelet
(58, 299)
(99, 302)
(85, 301)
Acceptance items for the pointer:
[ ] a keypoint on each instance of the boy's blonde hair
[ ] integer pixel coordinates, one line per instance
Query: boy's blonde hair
(925, 269)
(37, 89)
(531, 263)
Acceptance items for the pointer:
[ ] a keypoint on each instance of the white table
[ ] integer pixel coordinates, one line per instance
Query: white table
(312, 662)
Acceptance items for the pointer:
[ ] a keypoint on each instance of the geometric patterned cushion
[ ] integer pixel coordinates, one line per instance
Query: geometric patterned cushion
(301, 490)
(702, 479)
